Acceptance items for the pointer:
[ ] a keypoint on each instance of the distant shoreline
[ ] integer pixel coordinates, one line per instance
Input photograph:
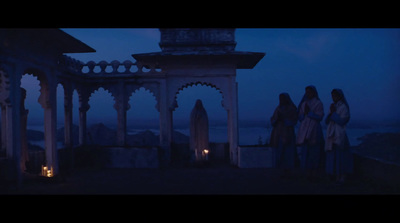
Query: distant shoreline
(154, 124)
(250, 135)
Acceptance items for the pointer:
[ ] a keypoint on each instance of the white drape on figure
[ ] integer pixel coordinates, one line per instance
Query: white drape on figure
(198, 131)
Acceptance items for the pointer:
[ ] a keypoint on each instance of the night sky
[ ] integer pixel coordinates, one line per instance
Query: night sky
(363, 62)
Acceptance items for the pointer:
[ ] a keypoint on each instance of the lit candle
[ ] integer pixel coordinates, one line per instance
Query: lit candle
(50, 172)
(206, 154)
(44, 172)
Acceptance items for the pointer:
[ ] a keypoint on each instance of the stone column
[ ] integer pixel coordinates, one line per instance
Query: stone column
(3, 128)
(48, 100)
(11, 116)
(68, 116)
(68, 131)
(24, 138)
(165, 108)
(13, 128)
(121, 105)
(233, 131)
(13, 143)
(83, 108)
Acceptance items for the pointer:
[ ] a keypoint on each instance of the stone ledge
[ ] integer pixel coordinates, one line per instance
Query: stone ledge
(384, 173)
(120, 157)
(254, 157)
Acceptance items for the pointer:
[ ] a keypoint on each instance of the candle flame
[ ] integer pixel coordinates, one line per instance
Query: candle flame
(47, 172)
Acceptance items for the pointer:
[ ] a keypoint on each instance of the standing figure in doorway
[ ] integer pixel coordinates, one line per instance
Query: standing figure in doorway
(339, 159)
(199, 144)
(283, 140)
(310, 138)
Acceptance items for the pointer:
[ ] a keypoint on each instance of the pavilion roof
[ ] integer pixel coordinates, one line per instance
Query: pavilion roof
(54, 39)
(242, 59)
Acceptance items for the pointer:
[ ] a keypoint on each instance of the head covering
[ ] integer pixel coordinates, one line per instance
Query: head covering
(343, 98)
(312, 87)
(287, 98)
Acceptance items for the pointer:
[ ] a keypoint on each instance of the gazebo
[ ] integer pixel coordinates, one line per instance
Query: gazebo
(187, 57)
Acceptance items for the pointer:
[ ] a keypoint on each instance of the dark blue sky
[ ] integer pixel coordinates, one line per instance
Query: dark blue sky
(363, 62)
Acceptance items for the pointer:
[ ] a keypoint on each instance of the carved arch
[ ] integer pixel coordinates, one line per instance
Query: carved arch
(97, 88)
(85, 92)
(152, 88)
(43, 84)
(195, 83)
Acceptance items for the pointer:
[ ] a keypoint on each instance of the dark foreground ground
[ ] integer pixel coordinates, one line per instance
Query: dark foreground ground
(220, 189)
(210, 179)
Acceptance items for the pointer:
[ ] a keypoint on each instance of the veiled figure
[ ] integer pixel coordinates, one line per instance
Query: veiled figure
(283, 138)
(310, 137)
(339, 159)
(198, 132)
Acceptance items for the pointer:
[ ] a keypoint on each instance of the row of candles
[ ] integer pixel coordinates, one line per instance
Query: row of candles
(46, 172)
(49, 172)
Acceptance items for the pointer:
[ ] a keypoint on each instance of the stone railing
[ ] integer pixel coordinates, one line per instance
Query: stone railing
(71, 64)
(106, 68)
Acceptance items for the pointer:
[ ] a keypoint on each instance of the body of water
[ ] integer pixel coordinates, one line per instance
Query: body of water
(247, 135)
(255, 135)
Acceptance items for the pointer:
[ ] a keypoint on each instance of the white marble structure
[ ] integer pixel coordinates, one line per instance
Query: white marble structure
(36, 52)
(187, 57)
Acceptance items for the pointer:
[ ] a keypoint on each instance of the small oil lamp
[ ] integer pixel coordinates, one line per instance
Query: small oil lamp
(205, 154)
(46, 172)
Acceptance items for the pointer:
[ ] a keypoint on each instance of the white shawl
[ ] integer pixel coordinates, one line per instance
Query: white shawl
(308, 126)
(335, 133)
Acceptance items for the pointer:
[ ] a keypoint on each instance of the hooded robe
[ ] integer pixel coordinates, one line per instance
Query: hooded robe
(339, 158)
(283, 121)
(283, 137)
(199, 133)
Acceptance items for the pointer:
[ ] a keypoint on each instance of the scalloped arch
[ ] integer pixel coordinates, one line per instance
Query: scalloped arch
(146, 89)
(93, 90)
(201, 83)
(43, 84)
(40, 75)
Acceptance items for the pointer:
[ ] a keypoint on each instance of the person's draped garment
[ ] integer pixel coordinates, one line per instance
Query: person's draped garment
(310, 127)
(336, 130)
(283, 121)
(199, 133)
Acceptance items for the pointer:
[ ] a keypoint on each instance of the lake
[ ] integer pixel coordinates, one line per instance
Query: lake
(247, 135)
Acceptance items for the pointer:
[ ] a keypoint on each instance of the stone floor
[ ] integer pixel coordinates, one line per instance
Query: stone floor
(208, 179)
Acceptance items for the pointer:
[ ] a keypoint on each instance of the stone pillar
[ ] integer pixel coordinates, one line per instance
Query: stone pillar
(121, 125)
(10, 127)
(13, 144)
(24, 137)
(121, 105)
(3, 128)
(48, 100)
(13, 128)
(83, 108)
(165, 107)
(68, 116)
(68, 132)
(233, 131)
